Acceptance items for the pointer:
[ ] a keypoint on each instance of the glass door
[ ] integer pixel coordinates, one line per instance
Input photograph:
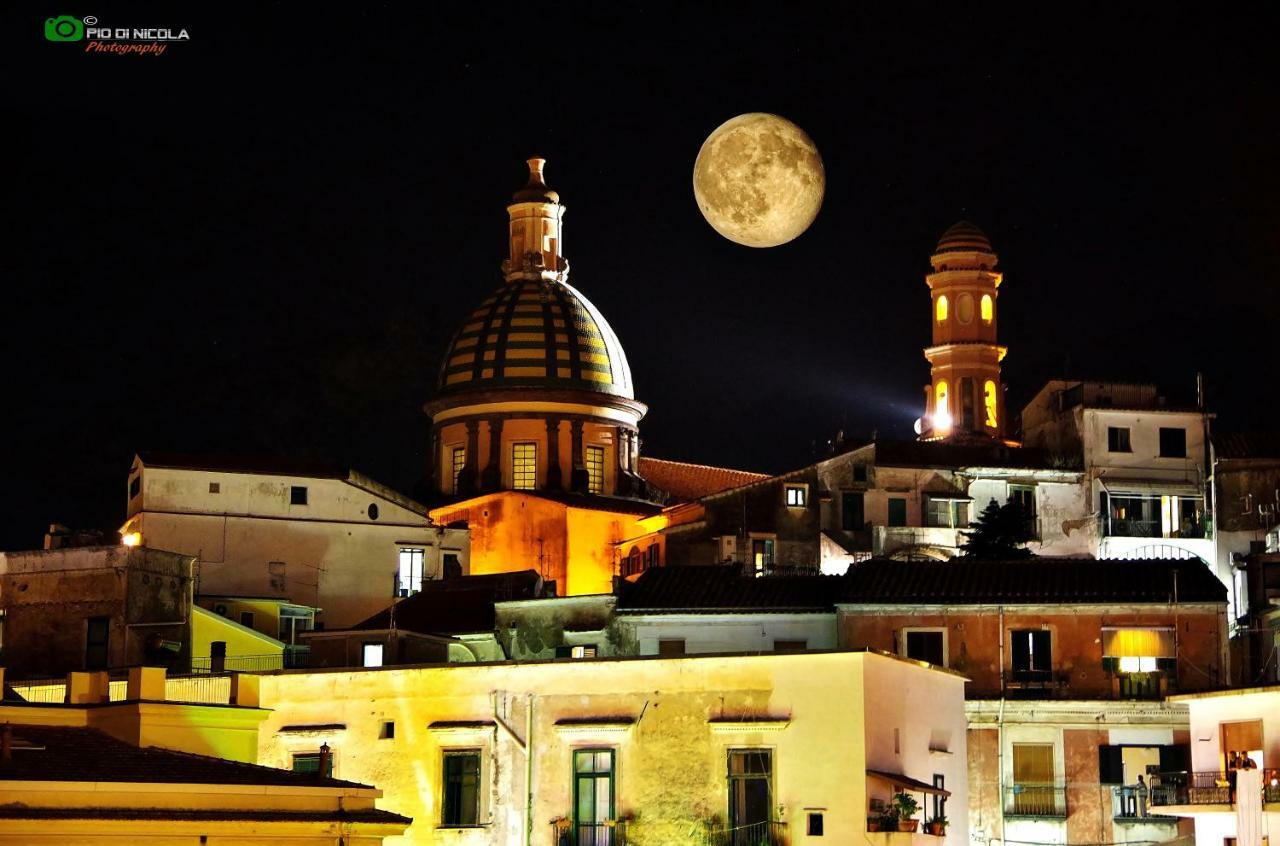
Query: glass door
(593, 797)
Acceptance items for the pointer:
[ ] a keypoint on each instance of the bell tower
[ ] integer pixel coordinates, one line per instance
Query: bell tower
(965, 397)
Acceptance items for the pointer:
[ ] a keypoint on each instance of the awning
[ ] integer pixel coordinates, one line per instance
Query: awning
(1149, 487)
(907, 783)
(1137, 643)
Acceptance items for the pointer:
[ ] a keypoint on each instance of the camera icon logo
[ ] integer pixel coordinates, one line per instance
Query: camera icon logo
(63, 28)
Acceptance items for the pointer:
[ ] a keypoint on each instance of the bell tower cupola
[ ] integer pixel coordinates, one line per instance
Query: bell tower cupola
(536, 227)
(965, 396)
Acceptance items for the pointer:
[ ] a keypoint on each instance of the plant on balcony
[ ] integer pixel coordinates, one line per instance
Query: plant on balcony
(1000, 532)
(937, 826)
(905, 807)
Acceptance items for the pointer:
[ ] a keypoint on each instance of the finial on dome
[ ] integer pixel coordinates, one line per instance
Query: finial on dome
(536, 190)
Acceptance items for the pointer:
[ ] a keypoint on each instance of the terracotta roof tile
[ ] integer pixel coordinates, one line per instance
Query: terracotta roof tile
(685, 482)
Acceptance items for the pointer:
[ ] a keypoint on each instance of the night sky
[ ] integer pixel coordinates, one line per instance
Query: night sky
(261, 241)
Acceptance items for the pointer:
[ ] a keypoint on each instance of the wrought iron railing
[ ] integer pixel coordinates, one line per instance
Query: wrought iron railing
(751, 834)
(1207, 788)
(236, 664)
(1130, 802)
(1035, 800)
(608, 833)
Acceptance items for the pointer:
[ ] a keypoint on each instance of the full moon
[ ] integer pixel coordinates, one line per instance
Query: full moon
(758, 180)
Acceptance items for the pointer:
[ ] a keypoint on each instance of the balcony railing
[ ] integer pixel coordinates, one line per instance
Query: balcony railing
(609, 833)
(755, 834)
(1129, 804)
(1206, 788)
(240, 664)
(1117, 527)
(1035, 800)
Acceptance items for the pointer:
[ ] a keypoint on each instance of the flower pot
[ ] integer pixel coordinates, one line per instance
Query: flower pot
(873, 825)
(936, 829)
(908, 825)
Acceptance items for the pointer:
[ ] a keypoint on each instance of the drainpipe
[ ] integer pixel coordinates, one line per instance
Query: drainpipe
(528, 771)
(1000, 735)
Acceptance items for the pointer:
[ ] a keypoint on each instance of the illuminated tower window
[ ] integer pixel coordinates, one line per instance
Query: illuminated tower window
(941, 410)
(595, 469)
(524, 466)
(942, 309)
(988, 308)
(989, 402)
(459, 461)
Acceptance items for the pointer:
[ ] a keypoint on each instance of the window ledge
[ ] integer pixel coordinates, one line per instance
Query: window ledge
(741, 724)
(443, 827)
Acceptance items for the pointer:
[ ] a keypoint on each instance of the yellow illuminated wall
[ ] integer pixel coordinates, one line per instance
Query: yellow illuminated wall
(208, 627)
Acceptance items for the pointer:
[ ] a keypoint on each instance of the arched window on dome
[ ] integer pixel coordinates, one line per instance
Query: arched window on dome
(942, 308)
(941, 407)
(988, 308)
(989, 402)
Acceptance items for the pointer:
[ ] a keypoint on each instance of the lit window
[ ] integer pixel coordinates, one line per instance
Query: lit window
(587, 651)
(595, 469)
(524, 466)
(989, 402)
(941, 405)
(371, 655)
(795, 496)
(762, 555)
(409, 576)
(1137, 664)
(988, 308)
(942, 308)
(459, 458)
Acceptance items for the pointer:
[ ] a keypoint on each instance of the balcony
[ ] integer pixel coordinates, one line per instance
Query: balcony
(1116, 527)
(608, 833)
(1037, 801)
(756, 834)
(1129, 806)
(1206, 788)
(885, 540)
(1035, 684)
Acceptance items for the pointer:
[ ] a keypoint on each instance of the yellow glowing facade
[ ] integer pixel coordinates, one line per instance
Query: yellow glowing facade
(965, 396)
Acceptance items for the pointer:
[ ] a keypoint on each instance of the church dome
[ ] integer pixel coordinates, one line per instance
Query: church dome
(536, 333)
(963, 237)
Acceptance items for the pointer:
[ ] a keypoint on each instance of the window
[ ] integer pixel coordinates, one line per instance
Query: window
(388, 730)
(761, 555)
(946, 513)
(1136, 656)
(97, 638)
(966, 403)
(309, 763)
(990, 403)
(790, 645)
(750, 779)
(1033, 779)
(925, 645)
(814, 827)
(941, 308)
(584, 651)
(859, 472)
(461, 805)
(593, 796)
(373, 511)
(135, 486)
(670, 648)
(852, 515)
(941, 409)
(1025, 498)
(897, 511)
(246, 619)
(795, 495)
(1173, 443)
(1118, 439)
(458, 458)
(595, 469)
(215, 487)
(297, 495)
(988, 308)
(1032, 654)
(409, 576)
(371, 655)
(217, 656)
(653, 559)
(452, 566)
(524, 466)
(938, 800)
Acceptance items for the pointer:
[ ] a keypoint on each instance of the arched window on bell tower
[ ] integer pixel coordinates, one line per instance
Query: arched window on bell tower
(988, 308)
(990, 404)
(941, 406)
(942, 308)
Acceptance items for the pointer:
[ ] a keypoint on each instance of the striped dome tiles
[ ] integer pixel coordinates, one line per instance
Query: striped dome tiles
(963, 237)
(536, 333)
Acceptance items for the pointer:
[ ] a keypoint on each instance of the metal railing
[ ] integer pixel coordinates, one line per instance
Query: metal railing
(1130, 803)
(753, 834)
(609, 833)
(1035, 800)
(1207, 788)
(235, 664)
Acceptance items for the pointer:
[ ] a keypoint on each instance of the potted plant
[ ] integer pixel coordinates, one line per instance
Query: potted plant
(937, 826)
(905, 807)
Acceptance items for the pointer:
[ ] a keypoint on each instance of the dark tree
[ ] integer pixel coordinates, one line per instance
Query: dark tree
(1001, 531)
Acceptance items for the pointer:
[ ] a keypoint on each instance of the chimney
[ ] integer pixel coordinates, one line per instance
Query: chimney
(326, 761)
(6, 743)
